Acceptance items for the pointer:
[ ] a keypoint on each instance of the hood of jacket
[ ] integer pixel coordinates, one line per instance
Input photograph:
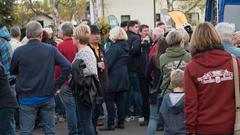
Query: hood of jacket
(122, 44)
(5, 34)
(174, 52)
(175, 108)
(212, 58)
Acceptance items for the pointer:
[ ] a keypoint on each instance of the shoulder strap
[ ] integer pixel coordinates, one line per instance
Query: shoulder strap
(236, 86)
(168, 83)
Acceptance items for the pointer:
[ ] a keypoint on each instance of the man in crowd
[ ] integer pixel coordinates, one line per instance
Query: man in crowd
(15, 37)
(145, 48)
(8, 102)
(33, 64)
(226, 31)
(68, 50)
(94, 40)
(134, 93)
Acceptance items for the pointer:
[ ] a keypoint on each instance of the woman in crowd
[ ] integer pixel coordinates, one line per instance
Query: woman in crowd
(236, 39)
(85, 53)
(209, 86)
(153, 75)
(174, 57)
(116, 59)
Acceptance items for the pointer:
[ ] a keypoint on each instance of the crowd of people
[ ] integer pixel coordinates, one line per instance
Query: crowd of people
(174, 79)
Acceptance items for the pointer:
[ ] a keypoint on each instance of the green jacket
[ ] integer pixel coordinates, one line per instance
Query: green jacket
(169, 61)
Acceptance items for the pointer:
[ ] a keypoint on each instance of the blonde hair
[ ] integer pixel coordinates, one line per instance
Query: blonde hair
(177, 78)
(174, 38)
(118, 33)
(205, 37)
(82, 33)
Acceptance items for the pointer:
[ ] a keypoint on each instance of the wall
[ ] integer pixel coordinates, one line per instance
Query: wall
(141, 10)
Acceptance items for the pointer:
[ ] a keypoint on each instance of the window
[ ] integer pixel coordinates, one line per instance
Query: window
(125, 18)
(158, 17)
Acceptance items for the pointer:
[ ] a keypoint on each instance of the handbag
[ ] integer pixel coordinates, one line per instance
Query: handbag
(237, 96)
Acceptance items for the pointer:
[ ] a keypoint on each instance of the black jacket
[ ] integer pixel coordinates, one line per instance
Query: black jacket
(86, 88)
(116, 58)
(134, 43)
(7, 97)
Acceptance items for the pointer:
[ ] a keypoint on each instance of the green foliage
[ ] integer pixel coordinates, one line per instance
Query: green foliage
(104, 27)
(6, 12)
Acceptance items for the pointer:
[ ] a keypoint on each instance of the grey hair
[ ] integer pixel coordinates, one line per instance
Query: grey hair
(33, 29)
(67, 29)
(158, 32)
(226, 31)
(15, 31)
(174, 38)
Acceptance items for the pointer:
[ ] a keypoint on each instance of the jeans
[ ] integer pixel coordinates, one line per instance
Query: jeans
(153, 119)
(134, 95)
(110, 100)
(84, 118)
(28, 115)
(7, 121)
(68, 102)
(60, 110)
(145, 96)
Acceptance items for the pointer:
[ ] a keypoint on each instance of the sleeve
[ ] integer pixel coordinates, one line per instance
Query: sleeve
(191, 102)
(150, 67)
(14, 65)
(111, 57)
(65, 67)
(135, 46)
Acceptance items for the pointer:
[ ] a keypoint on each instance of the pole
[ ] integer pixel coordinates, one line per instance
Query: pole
(154, 12)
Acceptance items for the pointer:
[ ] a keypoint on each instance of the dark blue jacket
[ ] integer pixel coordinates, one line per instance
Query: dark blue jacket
(172, 116)
(34, 64)
(7, 97)
(117, 59)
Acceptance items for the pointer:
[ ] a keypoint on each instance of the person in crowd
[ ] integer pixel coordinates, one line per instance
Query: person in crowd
(48, 36)
(172, 108)
(124, 25)
(15, 37)
(68, 50)
(208, 84)
(162, 25)
(84, 112)
(8, 105)
(157, 33)
(153, 76)
(174, 57)
(33, 64)
(134, 94)
(186, 38)
(226, 31)
(236, 39)
(116, 59)
(99, 52)
(86, 22)
(5, 49)
(145, 48)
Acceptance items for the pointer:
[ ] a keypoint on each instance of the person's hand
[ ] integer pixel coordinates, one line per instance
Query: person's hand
(58, 91)
(101, 65)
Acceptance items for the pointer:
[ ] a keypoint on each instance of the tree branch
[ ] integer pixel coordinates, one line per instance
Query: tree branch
(193, 6)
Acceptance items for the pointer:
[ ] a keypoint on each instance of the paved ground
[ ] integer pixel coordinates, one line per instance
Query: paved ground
(132, 128)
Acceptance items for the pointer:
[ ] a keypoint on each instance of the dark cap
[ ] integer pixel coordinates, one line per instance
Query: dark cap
(94, 29)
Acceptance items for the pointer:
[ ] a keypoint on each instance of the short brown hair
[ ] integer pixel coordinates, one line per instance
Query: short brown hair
(177, 78)
(205, 37)
(82, 33)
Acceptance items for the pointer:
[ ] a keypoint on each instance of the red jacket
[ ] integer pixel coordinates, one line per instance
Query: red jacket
(209, 93)
(68, 50)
